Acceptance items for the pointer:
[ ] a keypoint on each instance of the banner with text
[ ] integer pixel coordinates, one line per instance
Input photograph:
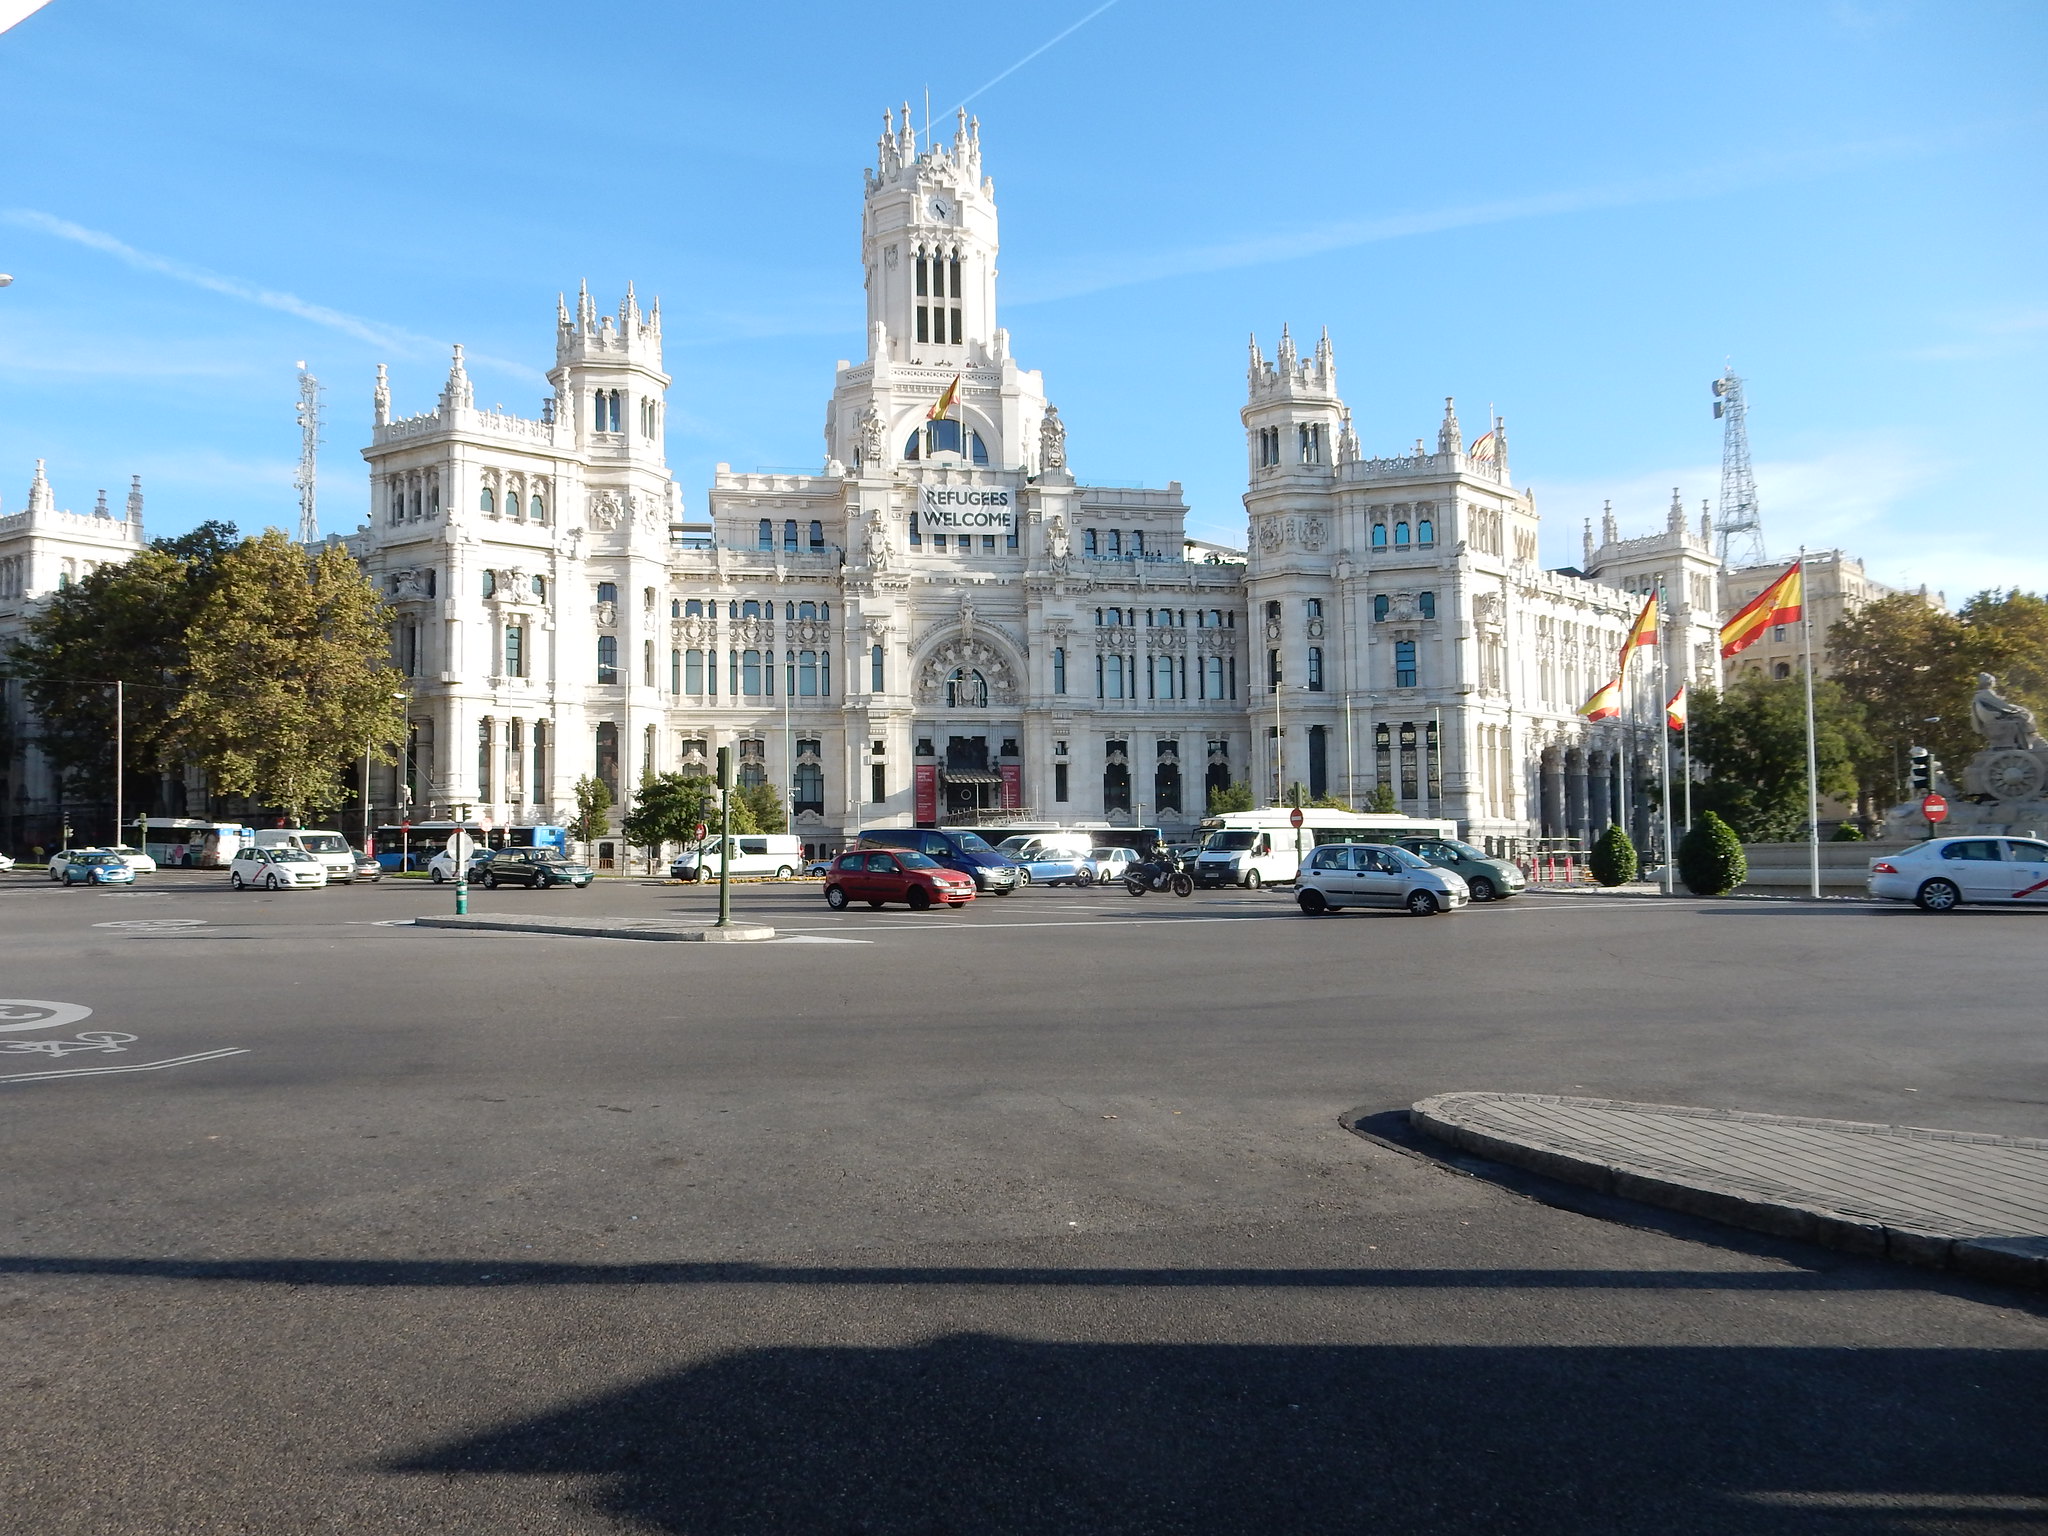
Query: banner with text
(965, 509)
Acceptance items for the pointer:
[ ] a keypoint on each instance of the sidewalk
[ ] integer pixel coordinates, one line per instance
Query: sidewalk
(1950, 1199)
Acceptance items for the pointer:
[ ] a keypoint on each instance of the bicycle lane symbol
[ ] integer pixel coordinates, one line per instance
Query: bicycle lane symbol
(21, 1014)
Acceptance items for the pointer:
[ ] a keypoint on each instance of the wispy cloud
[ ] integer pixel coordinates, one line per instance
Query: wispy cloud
(1985, 334)
(1052, 42)
(1685, 185)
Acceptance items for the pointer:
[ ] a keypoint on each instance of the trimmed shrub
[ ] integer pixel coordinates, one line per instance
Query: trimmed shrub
(1847, 832)
(1710, 858)
(1613, 859)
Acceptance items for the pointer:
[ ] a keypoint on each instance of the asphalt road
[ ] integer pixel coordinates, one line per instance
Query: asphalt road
(1032, 1217)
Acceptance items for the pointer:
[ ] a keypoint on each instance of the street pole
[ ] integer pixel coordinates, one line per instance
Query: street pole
(119, 754)
(1663, 737)
(725, 837)
(1350, 773)
(1812, 757)
(461, 850)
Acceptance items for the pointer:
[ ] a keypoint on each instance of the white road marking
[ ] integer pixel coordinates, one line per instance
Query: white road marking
(817, 938)
(157, 922)
(39, 1014)
(147, 1066)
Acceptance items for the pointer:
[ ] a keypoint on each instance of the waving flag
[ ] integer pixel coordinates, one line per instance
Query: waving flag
(1605, 704)
(1483, 447)
(1674, 712)
(1644, 631)
(1782, 602)
(943, 406)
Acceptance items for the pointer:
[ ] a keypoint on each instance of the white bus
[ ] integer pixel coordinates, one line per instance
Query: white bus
(1255, 848)
(180, 842)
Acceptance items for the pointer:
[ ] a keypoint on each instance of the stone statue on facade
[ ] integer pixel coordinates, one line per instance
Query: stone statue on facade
(872, 455)
(2002, 723)
(874, 545)
(1056, 545)
(1052, 440)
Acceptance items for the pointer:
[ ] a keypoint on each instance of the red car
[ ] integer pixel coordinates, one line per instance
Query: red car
(874, 876)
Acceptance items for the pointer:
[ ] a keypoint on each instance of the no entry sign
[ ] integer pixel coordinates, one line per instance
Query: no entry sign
(1294, 817)
(1934, 808)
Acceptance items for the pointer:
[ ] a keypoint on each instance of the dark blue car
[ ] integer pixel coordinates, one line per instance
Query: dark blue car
(959, 850)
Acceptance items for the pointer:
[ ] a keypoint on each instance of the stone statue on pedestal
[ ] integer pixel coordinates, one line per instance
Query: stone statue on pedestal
(2002, 723)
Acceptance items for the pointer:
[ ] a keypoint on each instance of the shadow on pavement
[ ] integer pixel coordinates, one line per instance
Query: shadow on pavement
(973, 1433)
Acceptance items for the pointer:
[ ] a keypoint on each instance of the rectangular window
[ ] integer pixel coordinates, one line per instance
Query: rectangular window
(515, 650)
(916, 534)
(1404, 663)
(750, 674)
(732, 673)
(1010, 539)
(1273, 669)
(693, 672)
(878, 783)
(875, 677)
(1059, 781)
(675, 671)
(1315, 669)
(1233, 677)
(1088, 541)
(939, 542)
(1059, 669)
(607, 658)
(807, 674)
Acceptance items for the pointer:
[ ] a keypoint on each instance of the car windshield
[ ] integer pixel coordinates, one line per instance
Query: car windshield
(1103, 853)
(323, 842)
(291, 856)
(1403, 857)
(1463, 850)
(1013, 845)
(969, 843)
(1231, 839)
(911, 860)
(99, 858)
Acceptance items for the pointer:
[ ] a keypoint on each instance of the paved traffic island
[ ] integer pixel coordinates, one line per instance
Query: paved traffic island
(667, 930)
(1949, 1199)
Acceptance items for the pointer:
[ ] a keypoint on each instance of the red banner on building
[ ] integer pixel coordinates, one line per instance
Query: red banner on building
(925, 778)
(1013, 786)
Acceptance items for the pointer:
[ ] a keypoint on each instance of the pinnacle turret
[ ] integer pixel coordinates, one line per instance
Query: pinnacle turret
(380, 399)
(135, 503)
(39, 497)
(99, 506)
(458, 392)
(1675, 521)
(1450, 437)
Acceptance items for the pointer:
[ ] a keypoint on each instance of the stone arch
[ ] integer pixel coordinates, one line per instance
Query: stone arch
(978, 649)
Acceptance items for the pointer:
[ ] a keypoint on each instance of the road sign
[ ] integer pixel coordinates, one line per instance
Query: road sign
(483, 823)
(1294, 817)
(1934, 808)
(701, 830)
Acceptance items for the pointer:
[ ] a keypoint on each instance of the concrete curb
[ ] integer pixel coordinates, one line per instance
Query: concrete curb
(738, 933)
(2009, 1260)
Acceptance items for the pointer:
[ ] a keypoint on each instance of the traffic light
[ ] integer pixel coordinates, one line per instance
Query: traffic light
(725, 768)
(1923, 771)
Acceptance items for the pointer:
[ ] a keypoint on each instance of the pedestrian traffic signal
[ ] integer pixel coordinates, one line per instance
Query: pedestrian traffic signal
(1923, 771)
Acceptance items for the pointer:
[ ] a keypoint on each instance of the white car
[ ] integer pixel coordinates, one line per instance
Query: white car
(1944, 873)
(135, 859)
(1376, 875)
(64, 856)
(5, 863)
(1108, 866)
(275, 869)
(441, 867)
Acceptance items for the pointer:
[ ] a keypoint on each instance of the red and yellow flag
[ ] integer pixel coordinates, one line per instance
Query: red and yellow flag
(1605, 704)
(943, 406)
(1643, 632)
(1674, 712)
(1782, 602)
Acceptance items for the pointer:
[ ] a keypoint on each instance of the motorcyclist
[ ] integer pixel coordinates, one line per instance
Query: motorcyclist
(1157, 864)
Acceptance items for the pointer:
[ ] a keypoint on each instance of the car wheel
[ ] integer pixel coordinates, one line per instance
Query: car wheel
(235, 881)
(1313, 903)
(490, 881)
(542, 881)
(1023, 877)
(1252, 881)
(1482, 889)
(783, 872)
(1422, 904)
(835, 897)
(270, 882)
(1938, 896)
(920, 899)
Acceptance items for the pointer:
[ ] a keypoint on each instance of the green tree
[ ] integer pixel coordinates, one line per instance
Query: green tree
(1229, 798)
(764, 808)
(1382, 802)
(1752, 742)
(1847, 832)
(1613, 859)
(1710, 857)
(593, 804)
(667, 807)
(289, 676)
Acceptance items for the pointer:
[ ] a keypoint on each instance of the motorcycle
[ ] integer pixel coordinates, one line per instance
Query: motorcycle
(1160, 875)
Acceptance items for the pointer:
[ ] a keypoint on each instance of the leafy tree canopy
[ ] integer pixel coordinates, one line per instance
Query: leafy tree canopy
(1752, 742)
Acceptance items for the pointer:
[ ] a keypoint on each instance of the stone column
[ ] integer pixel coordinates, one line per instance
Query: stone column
(1575, 791)
(1553, 793)
(1600, 790)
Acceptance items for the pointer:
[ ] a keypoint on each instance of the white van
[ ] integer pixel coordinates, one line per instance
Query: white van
(756, 853)
(1026, 847)
(331, 849)
(1255, 848)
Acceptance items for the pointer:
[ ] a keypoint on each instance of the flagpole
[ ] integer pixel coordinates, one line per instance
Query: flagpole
(1685, 752)
(1663, 736)
(1812, 757)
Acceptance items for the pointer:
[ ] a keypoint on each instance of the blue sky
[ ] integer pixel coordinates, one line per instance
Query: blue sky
(1575, 213)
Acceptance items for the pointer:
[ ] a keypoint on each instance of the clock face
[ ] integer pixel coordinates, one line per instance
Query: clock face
(940, 208)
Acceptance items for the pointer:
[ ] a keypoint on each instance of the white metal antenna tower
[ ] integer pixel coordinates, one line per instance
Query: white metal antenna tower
(1741, 522)
(309, 456)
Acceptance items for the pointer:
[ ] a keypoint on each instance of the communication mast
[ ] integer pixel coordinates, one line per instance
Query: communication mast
(1740, 523)
(309, 456)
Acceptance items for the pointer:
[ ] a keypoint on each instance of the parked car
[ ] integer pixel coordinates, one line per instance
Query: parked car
(97, 866)
(1108, 866)
(275, 869)
(134, 858)
(1487, 878)
(780, 854)
(1050, 867)
(1944, 873)
(878, 875)
(441, 867)
(369, 868)
(64, 856)
(818, 867)
(535, 867)
(330, 848)
(1376, 875)
(962, 851)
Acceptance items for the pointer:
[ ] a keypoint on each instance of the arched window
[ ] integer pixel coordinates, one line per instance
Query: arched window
(817, 534)
(1116, 787)
(764, 535)
(536, 508)
(1379, 608)
(675, 607)
(1166, 786)
(789, 536)
(694, 608)
(1379, 535)
(607, 592)
(788, 611)
(1088, 542)
(1427, 603)
(825, 612)
(485, 501)
(1116, 544)
(1059, 669)
(607, 658)
(946, 436)
(875, 672)
(1400, 535)
(807, 610)
(751, 609)
(1425, 532)
(808, 783)
(966, 689)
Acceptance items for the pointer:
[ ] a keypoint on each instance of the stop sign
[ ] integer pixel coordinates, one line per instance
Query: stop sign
(1294, 817)
(1934, 808)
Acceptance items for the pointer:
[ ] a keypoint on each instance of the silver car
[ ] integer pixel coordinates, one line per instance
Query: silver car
(1944, 873)
(1376, 875)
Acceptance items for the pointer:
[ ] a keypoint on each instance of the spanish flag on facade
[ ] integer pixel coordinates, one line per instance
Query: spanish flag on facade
(1674, 712)
(1782, 602)
(1643, 632)
(943, 406)
(1605, 704)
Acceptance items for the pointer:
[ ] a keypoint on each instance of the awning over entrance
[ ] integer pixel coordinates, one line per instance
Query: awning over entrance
(969, 776)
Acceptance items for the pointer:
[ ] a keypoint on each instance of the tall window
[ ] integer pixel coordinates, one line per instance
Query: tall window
(809, 785)
(607, 658)
(607, 592)
(607, 757)
(807, 675)
(693, 671)
(1313, 608)
(1059, 669)
(1162, 677)
(878, 782)
(1138, 542)
(1427, 603)
(764, 535)
(1379, 608)
(789, 536)
(875, 672)
(515, 650)
(1273, 669)
(1116, 778)
(485, 502)
(817, 534)
(1059, 781)
(750, 674)
(647, 664)
(1425, 532)
(1115, 551)
(490, 583)
(966, 689)
(675, 671)
(1088, 541)
(1315, 669)
(540, 760)
(536, 508)
(1400, 535)
(1379, 535)
(607, 407)
(540, 588)
(938, 297)
(1404, 663)
(483, 760)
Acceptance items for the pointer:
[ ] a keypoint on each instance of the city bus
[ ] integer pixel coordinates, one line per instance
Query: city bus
(408, 845)
(181, 842)
(1255, 848)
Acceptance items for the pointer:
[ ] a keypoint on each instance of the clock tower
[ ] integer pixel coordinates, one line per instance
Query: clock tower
(928, 242)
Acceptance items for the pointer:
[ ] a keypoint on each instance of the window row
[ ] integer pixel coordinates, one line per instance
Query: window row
(764, 535)
(487, 503)
(1167, 618)
(964, 542)
(1382, 605)
(938, 296)
(413, 497)
(1309, 439)
(537, 586)
(1158, 677)
(608, 409)
(945, 436)
(517, 765)
(1414, 742)
(750, 608)
(748, 673)
(1111, 544)
(1424, 535)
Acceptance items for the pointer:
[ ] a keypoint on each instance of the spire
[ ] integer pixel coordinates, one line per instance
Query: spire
(380, 398)
(1348, 451)
(561, 310)
(1285, 354)
(1326, 359)
(1608, 533)
(1675, 522)
(135, 502)
(629, 311)
(457, 392)
(1450, 437)
(960, 131)
(906, 140)
(1586, 560)
(99, 507)
(586, 312)
(1706, 523)
(39, 498)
